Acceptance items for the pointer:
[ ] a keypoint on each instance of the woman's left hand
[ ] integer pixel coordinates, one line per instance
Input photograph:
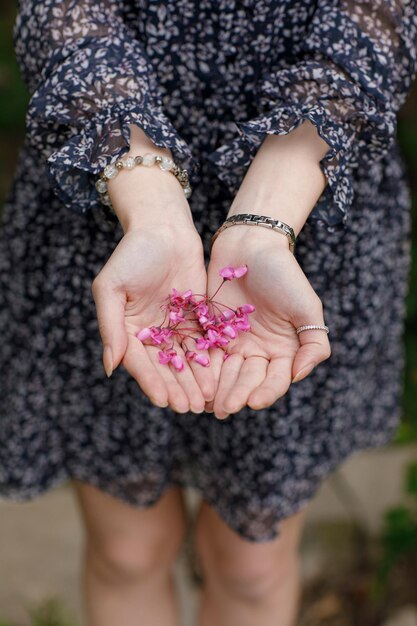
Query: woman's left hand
(267, 358)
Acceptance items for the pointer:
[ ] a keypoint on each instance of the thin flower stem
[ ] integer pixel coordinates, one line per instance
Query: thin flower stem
(217, 290)
(225, 305)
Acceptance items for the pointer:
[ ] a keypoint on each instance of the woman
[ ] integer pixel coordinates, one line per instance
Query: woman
(278, 108)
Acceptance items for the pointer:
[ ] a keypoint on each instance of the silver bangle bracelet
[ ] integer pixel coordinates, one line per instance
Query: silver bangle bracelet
(147, 160)
(257, 220)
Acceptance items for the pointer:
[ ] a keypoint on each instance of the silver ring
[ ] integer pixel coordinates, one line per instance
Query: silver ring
(312, 327)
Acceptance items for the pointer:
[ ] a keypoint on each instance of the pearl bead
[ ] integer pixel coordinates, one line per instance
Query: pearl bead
(101, 186)
(166, 164)
(187, 192)
(110, 171)
(106, 199)
(129, 163)
(148, 160)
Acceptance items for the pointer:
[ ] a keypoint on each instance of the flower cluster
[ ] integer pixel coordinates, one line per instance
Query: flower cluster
(215, 323)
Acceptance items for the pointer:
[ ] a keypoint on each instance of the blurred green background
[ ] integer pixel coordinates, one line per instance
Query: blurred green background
(13, 103)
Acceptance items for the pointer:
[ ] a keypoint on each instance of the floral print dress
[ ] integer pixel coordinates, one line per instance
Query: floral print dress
(208, 80)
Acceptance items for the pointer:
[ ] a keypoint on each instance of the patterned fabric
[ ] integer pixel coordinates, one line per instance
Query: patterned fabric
(209, 80)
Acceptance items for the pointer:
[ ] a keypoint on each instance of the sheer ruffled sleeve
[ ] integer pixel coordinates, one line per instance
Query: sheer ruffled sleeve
(88, 78)
(354, 69)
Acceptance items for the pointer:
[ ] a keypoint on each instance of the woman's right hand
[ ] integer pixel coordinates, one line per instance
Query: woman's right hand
(161, 249)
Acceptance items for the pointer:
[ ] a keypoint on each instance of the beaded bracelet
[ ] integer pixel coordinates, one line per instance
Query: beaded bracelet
(164, 162)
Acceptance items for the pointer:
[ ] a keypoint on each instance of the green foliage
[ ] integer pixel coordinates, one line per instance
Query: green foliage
(411, 480)
(399, 534)
(13, 94)
(50, 613)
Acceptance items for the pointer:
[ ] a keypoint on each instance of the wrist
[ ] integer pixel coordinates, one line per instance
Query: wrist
(243, 238)
(284, 180)
(180, 241)
(148, 195)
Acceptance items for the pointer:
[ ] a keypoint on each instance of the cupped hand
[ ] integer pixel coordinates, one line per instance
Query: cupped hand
(265, 360)
(129, 292)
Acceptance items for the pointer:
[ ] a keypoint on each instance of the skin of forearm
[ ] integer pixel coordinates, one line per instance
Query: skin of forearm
(284, 180)
(147, 196)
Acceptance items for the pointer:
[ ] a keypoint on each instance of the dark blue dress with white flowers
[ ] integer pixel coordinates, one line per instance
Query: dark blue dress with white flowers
(209, 80)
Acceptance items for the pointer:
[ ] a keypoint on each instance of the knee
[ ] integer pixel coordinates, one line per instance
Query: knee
(120, 559)
(248, 571)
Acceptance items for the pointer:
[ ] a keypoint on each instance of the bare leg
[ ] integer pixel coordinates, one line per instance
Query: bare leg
(248, 583)
(129, 554)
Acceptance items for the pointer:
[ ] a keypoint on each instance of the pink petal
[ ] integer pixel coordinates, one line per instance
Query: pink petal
(144, 334)
(190, 355)
(227, 272)
(177, 362)
(202, 360)
(212, 335)
(202, 343)
(228, 315)
(164, 358)
(229, 331)
(176, 316)
(240, 271)
(247, 308)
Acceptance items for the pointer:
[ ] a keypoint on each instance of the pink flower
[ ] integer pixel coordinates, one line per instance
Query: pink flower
(166, 357)
(171, 356)
(189, 313)
(242, 323)
(180, 299)
(198, 358)
(228, 315)
(202, 360)
(216, 339)
(245, 308)
(229, 331)
(202, 343)
(160, 335)
(144, 334)
(177, 362)
(201, 308)
(229, 272)
(177, 316)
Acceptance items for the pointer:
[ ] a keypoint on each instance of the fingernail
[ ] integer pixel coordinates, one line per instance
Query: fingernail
(108, 361)
(304, 372)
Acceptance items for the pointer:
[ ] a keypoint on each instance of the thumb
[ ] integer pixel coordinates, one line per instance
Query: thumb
(110, 308)
(314, 348)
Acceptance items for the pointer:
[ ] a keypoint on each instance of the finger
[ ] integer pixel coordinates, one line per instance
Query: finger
(203, 376)
(140, 366)
(216, 362)
(177, 397)
(251, 375)
(110, 308)
(187, 381)
(314, 348)
(275, 385)
(228, 376)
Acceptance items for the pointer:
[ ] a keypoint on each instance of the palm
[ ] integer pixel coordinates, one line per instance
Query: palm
(261, 365)
(142, 272)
